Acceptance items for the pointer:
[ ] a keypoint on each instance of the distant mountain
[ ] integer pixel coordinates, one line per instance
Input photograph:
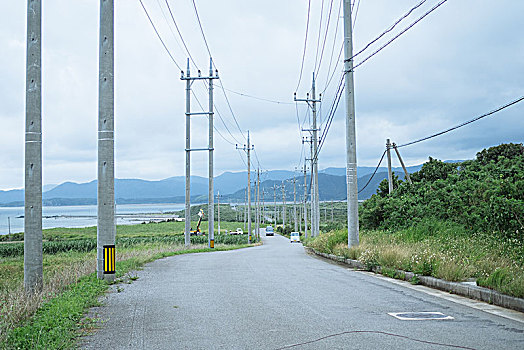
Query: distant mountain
(231, 185)
(11, 196)
(366, 170)
(140, 191)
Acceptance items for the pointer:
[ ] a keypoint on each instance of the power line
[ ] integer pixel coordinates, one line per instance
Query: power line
(465, 123)
(356, 13)
(221, 119)
(258, 98)
(305, 45)
(520, 99)
(180, 34)
(373, 175)
(399, 34)
(325, 37)
(319, 34)
(390, 28)
(201, 29)
(158, 35)
(333, 48)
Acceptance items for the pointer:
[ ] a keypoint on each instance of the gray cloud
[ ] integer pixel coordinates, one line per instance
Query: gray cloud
(461, 61)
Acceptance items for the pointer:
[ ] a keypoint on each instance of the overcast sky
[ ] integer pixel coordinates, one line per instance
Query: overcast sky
(464, 59)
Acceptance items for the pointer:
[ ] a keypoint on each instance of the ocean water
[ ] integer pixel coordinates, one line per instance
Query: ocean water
(82, 215)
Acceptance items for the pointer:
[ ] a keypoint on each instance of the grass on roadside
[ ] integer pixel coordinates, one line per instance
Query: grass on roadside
(442, 250)
(51, 319)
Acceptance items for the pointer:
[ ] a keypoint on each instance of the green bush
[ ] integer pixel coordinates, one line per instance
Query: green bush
(482, 195)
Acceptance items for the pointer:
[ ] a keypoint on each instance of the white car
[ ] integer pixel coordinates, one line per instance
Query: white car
(239, 231)
(295, 237)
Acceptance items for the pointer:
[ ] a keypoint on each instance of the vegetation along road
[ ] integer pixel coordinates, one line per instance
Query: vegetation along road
(276, 296)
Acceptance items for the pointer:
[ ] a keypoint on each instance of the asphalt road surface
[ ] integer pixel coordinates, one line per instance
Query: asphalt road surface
(276, 296)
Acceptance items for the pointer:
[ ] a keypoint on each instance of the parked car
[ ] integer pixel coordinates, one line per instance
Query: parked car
(295, 237)
(237, 232)
(270, 231)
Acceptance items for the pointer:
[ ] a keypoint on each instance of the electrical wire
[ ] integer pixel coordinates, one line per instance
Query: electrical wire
(169, 25)
(319, 35)
(520, 99)
(305, 45)
(390, 28)
(158, 35)
(374, 172)
(356, 14)
(333, 46)
(180, 34)
(220, 118)
(201, 29)
(399, 34)
(258, 98)
(317, 69)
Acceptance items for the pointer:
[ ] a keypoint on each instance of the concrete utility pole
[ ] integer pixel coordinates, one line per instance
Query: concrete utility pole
(9, 227)
(284, 204)
(408, 178)
(295, 202)
(245, 208)
(305, 200)
(390, 173)
(315, 211)
(332, 211)
(248, 150)
(187, 216)
(351, 139)
(33, 258)
(263, 206)
(258, 203)
(218, 200)
(211, 193)
(275, 203)
(210, 114)
(310, 141)
(106, 229)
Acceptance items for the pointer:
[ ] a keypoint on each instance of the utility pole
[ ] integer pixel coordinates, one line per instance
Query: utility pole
(275, 203)
(263, 206)
(313, 202)
(332, 211)
(315, 212)
(245, 208)
(258, 203)
(9, 226)
(390, 173)
(305, 200)
(283, 204)
(295, 201)
(210, 114)
(408, 178)
(351, 139)
(106, 229)
(248, 150)
(218, 200)
(33, 257)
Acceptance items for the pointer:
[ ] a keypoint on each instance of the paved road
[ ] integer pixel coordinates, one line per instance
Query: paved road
(276, 296)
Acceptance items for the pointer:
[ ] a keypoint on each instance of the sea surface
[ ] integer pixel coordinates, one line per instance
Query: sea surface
(85, 215)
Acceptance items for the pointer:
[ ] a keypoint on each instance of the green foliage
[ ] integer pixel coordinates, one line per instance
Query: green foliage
(493, 154)
(88, 244)
(54, 325)
(483, 195)
(383, 186)
(442, 249)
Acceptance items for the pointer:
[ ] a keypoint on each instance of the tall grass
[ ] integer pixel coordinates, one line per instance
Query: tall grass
(69, 256)
(442, 250)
